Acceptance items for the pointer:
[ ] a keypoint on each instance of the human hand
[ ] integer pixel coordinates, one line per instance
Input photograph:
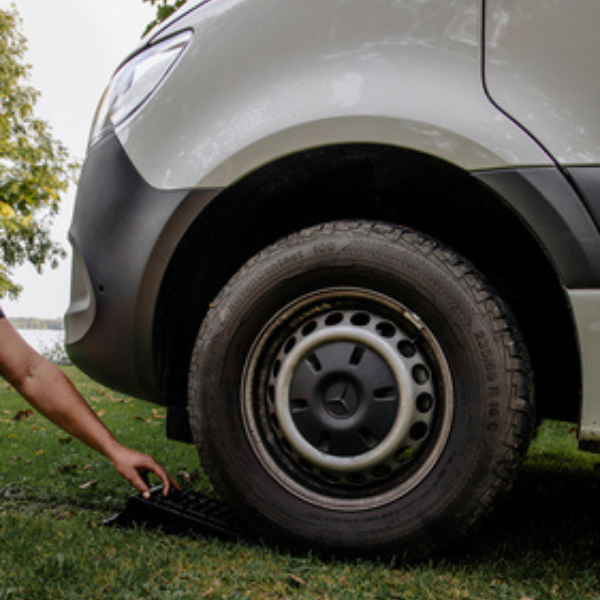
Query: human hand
(134, 465)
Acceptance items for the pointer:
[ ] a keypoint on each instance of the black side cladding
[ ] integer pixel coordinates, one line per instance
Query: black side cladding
(587, 181)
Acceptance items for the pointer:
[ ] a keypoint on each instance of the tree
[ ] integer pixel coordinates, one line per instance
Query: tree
(34, 167)
(164, 9)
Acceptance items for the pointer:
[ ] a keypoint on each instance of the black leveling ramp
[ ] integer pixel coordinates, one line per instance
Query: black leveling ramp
(183, 512)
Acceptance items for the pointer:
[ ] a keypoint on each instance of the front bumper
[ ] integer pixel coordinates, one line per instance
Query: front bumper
(123, 234)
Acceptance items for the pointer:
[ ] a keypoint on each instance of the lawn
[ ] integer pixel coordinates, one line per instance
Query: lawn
(543, 542)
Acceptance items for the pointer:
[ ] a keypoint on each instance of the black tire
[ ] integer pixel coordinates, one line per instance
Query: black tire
(358, 389)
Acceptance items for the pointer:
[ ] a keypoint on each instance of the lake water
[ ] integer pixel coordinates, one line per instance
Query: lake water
(43, 339)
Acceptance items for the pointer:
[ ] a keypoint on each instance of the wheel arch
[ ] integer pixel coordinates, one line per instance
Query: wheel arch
(375, 182)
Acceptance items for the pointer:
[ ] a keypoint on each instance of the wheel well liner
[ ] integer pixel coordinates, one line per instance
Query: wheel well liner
(366, 181)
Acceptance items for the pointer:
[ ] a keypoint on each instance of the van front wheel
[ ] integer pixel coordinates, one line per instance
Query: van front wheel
(357, 388)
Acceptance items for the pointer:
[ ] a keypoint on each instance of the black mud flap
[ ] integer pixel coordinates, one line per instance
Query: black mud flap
(183, 512)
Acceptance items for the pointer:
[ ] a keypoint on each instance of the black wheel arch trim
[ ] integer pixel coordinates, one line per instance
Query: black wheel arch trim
(553, 212)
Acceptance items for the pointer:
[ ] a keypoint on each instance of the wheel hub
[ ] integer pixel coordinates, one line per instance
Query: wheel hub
(343, 398)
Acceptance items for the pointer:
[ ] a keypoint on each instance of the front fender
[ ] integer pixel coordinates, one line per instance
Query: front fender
(264, 78)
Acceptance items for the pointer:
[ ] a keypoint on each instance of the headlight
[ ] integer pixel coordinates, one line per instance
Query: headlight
(135, 81)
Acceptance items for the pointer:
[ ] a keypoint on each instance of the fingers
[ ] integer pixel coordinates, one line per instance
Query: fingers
(134, 466)
(139, 483)
(163, 475)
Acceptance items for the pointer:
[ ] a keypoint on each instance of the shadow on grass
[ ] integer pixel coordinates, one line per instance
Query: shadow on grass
(550, 518)
(551, 515)
(548, 527)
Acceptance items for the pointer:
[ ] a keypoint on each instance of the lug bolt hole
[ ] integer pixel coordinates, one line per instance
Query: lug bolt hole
(289, 346)
(360, 319)
(382, 471)
(356, 478)
(407, 348)
(424, 403)
(334, 319)
(418, 431)
(420, 374)
(386, 330)
(309, 328)
(275, 422)
(404, 455)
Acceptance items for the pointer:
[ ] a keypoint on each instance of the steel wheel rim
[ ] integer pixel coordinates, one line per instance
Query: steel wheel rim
(405, 448)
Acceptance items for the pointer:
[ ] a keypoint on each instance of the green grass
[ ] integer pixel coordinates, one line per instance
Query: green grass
(543, 542)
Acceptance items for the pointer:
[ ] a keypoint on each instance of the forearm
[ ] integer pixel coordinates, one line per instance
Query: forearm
(50, 392)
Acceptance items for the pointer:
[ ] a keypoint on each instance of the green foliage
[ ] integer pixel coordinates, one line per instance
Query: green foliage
(57, 354)
(34, 167)
(37, 323)
(164, 9)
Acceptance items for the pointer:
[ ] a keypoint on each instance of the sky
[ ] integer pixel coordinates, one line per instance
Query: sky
(74, 46)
